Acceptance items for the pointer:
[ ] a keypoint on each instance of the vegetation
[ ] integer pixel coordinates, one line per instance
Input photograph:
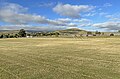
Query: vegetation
(22, 33)
(118, 30)
(111, 34)
(97, 33)
(60, 58)
(89, 33)
(61, 33)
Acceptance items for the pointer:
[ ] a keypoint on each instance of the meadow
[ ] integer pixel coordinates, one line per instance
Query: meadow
(60, 58)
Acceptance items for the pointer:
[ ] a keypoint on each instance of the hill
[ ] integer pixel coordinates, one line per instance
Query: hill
(63, 33)
(73, 31)
(9, 31)
(69, 31)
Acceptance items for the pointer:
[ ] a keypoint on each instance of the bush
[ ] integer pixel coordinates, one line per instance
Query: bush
(22, 33)
(111, 34)
(89, 33)
(97, 32)
(1, 36)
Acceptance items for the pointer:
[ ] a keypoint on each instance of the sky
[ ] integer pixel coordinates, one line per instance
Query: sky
(91, 15)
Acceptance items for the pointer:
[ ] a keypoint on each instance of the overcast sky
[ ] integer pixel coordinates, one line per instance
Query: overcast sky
(100, 15)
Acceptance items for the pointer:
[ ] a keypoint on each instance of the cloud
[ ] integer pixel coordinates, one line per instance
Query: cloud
(113, 17)
(18, 17)
(90, 14)
(83, 22)
(72, 25)
(72, 10)
(16, 14)
(103, 13)
(28, 27)
(107, 5)
(65, 20)
(47, 4)
(76, 22)
(108, 25)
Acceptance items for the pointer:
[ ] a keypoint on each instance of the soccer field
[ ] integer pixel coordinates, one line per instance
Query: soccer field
(60, 58)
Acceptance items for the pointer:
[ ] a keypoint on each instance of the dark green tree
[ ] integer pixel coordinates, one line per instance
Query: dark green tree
(16, 36)
(1, 36)
(89, 33)
(5, 36)
(57, 34)
(22, 33)
(97, 32)
(11, 36)
(111, 34)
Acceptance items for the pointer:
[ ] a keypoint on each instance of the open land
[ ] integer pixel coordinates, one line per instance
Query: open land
(60, 58)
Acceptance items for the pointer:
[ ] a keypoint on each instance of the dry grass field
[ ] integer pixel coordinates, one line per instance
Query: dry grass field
(60, 58)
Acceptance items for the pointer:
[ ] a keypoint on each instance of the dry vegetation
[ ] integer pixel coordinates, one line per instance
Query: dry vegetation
(60, 58)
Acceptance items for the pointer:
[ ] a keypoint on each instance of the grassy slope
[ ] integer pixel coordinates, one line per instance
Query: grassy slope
(73, 31)
(8, 31)
(60, 58)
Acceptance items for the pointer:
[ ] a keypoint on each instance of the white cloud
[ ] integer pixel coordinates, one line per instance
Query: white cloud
(90, 14)
(113, 17)
(50, 4)
(28, 27)
(72, 10)
(82, 20)
(76, 22)
(16, 14)
(18, 17)
(85, 24)
(107, 5)
(72, 25)
(108, 25)
(65, 20)
(103, 13)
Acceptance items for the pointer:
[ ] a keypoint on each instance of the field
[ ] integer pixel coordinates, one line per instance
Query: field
(60, 58)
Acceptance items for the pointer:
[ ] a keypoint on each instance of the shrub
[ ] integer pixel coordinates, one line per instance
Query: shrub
(111, 34)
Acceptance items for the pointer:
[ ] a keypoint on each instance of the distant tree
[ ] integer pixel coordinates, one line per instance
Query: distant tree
(5, 36)
(102, 33)
(28, 34)
(38, 34)
(94, 34)
(97, 32)
(1, 36)
(89, 33)
(8, 35)
(11, 36)
(50, 34)
(56, 34)
(111, 34)
(22, 33)
(16, 35)
(118, 30)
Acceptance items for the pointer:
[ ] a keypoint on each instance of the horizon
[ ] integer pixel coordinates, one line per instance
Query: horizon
(87, 15)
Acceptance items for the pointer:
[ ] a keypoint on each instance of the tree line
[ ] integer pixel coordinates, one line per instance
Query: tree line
(22, 33)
